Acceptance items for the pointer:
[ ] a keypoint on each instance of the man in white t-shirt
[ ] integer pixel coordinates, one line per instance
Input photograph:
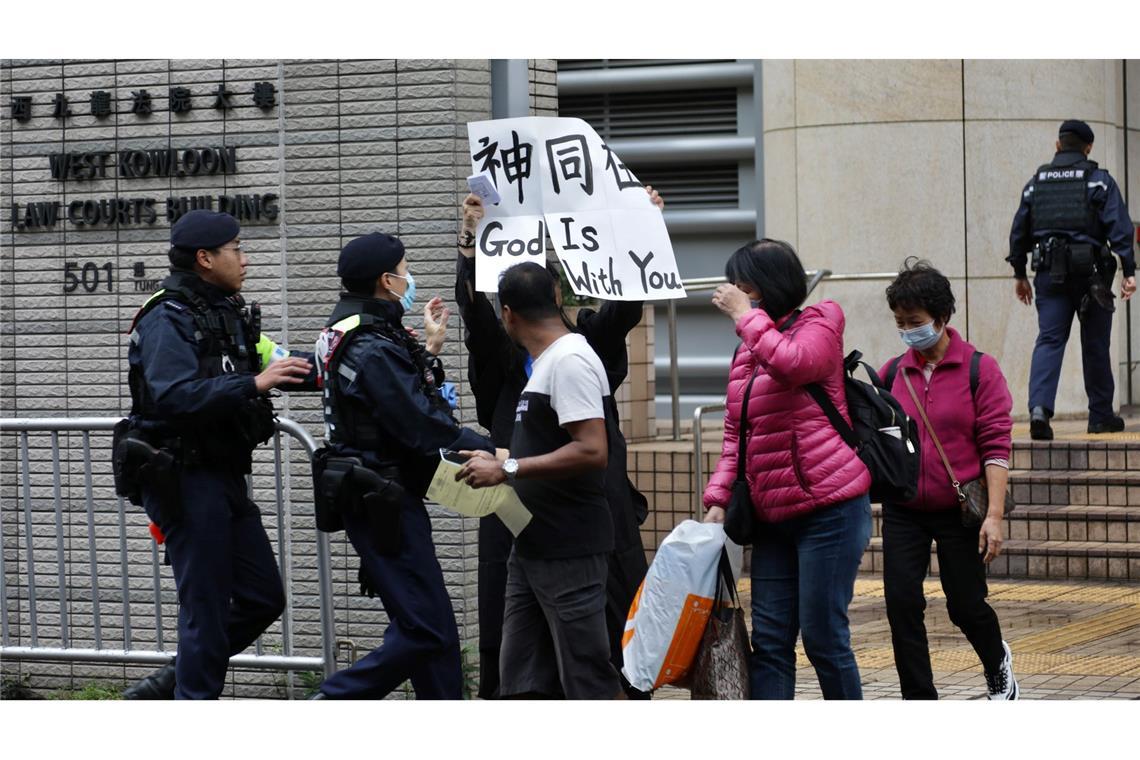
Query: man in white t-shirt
(554, 627)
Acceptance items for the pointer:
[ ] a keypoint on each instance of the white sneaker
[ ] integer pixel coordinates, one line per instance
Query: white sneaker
(1002, 684)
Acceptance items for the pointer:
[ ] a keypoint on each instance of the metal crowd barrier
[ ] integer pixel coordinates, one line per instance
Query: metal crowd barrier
(117, 595)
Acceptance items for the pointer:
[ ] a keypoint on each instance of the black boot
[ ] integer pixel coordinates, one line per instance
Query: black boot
(1114, 425)
(158, 685)
(1039, 428)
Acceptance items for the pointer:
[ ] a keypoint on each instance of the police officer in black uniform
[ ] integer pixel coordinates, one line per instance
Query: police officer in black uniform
(1071, 213)
(386, 422)
(200, 372)
(498, 370)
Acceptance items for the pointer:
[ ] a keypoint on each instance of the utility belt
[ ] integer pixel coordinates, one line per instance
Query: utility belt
(345, 485)
(1064, 259)
(1083, 266)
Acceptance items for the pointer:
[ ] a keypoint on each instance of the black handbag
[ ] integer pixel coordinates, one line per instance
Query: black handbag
(973, 497)
(739, 515)
(720, 669)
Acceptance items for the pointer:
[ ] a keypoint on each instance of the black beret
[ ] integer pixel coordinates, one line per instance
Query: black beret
(203, 229)
(1078, 128)
(369, 257)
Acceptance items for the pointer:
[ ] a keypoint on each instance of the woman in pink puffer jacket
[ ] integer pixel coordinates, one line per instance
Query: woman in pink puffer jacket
(809, 489)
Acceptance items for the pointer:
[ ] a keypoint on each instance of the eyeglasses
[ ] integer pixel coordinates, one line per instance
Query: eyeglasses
(235, 247)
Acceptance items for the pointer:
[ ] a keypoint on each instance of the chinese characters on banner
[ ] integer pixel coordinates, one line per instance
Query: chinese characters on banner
(557, 177)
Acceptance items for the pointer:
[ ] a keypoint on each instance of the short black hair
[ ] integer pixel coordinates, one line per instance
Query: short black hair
(920, 286)
(774, 270)
(528, 289)
(1070, 141)
(359, 286)
(182, 258)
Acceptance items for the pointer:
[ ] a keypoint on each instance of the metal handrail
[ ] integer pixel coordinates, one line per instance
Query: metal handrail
(698, 456)
(698, 284)
(128, 654)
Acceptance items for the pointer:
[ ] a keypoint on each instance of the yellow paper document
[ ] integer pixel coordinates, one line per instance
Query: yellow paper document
(459, 497)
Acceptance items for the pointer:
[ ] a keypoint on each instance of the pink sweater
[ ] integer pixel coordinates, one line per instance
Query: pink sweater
(797, 462)
(971, 431)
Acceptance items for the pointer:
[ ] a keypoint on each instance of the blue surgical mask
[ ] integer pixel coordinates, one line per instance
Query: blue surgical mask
(409, 296)
(922, 337)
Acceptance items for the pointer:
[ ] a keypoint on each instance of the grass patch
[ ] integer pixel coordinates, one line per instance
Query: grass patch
(91, 691)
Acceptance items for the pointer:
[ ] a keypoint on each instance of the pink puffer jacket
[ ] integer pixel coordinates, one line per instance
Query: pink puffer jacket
(796, 460)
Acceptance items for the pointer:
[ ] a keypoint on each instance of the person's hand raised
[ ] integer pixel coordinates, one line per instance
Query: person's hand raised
(435, 324)
(732, 301)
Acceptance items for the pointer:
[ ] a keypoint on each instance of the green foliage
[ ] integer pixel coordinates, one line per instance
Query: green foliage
(470, 660)
(310, 682)
(91, 691)
(17, 688)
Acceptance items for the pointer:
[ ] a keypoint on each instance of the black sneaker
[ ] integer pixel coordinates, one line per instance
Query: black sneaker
(158, 685)
(1002, 685)
(1039, 428)
(1115, 425)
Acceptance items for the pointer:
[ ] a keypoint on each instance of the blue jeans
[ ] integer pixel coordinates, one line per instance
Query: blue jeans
(803, 578)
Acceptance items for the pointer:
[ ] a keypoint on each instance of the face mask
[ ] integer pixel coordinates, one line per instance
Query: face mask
(409, 296)
(921, 338)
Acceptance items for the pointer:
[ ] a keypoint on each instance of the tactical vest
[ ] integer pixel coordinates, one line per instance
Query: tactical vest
(1060, 200)
(349, 423)
(229, 340)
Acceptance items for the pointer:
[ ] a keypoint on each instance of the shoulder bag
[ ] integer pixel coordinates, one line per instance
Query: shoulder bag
(973, 497)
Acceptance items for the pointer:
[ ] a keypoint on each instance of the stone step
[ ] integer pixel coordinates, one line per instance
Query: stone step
(1112, 454)
(1061, 523)
(1078, 560)
(1111, 488)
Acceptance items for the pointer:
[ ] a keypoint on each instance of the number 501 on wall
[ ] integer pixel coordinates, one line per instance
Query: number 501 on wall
(89, 275)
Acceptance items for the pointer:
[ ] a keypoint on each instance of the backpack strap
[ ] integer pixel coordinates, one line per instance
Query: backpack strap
(893, 370)
(846, 432)
(975, 373)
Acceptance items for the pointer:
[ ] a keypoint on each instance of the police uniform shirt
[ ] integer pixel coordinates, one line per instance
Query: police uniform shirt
(571, 517)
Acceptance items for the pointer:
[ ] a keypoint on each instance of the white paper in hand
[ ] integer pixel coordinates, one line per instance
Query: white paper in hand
(481, 185)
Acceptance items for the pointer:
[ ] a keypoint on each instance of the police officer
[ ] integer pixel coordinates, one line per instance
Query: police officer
(199, 377)
(386, 422)
(1071, 212)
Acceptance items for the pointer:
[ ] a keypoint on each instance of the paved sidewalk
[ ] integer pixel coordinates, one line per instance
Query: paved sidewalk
(1069, 641)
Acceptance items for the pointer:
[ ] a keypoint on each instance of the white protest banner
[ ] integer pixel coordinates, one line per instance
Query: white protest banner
(557, 177)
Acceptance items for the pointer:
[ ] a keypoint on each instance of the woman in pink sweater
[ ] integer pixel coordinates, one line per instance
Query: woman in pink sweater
(808, 488)
(971, 418)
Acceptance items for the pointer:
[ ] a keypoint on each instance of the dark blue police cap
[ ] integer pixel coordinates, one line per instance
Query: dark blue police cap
(203, 229)
(1078, 128)
(369, 257)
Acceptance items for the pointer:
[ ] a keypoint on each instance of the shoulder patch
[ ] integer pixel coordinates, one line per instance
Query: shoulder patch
(170, 303)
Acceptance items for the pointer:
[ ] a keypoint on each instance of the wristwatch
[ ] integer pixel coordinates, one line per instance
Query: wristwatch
(511, 468)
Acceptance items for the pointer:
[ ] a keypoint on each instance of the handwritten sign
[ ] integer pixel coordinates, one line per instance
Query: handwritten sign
(558, 178)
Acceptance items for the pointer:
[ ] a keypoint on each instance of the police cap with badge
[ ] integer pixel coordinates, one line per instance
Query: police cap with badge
(203, 229)
(369, 256)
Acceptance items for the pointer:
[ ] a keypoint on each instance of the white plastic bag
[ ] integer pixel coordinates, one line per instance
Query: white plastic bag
(671, 609)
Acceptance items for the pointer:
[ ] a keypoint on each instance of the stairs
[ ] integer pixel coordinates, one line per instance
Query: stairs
(1078, 513)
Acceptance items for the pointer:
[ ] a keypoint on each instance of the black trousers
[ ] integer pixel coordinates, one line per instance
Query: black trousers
(907, 534)
(627, 568)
